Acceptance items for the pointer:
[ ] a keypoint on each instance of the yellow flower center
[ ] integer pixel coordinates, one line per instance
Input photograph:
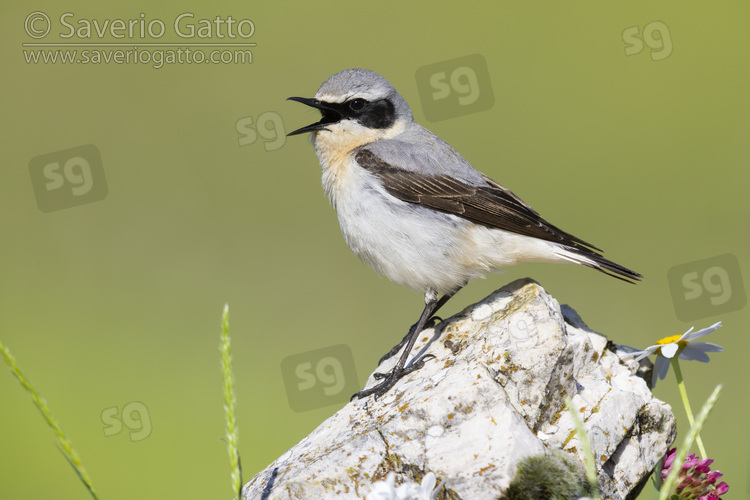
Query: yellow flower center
(670, 340)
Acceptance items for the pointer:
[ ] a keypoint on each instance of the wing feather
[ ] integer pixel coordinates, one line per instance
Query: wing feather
(491, 205)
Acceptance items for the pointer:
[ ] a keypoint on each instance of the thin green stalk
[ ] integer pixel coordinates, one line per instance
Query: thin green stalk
(587, 453)
(64, 444)
(692, 435)
(230, 402)
(686, 403)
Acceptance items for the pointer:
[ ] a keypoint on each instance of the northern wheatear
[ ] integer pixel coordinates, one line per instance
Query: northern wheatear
(415, 210)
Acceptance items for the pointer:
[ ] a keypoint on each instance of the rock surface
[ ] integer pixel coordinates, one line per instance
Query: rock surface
(494, 394)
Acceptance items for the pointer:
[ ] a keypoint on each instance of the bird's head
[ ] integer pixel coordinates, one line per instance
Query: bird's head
(358, 106)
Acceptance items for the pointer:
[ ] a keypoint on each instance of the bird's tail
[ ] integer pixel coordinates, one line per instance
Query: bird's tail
(593, 260)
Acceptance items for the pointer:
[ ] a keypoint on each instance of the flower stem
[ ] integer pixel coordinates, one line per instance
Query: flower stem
(667, 489)
(686, 403)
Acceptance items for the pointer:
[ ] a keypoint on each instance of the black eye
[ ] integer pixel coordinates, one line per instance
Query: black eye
(357, 104)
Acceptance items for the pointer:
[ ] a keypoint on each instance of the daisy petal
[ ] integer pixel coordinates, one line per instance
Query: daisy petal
(696, 351)
(661, 367)
(691, 354)
(682, 337)
(638, 354)
(645, 353)
(669, 350)
(700, 333)
(428, 484)
(706, 347)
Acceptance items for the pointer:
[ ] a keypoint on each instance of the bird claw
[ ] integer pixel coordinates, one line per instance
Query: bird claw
(432, 322)
(390, 378)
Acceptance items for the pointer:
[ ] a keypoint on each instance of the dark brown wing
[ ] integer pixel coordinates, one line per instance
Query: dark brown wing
(491, 205)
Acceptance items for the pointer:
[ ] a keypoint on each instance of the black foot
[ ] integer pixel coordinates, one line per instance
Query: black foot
(431, 305)
(391, 378)
(430, 323)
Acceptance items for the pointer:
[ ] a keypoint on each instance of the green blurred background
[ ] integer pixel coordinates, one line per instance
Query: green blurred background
(119, 300)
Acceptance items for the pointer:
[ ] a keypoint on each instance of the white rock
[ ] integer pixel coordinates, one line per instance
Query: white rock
(469, 416)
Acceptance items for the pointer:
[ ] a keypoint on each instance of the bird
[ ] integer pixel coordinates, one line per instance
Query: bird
(416, 211)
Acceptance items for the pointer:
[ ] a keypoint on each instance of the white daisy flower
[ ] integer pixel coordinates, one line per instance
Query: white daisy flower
(683, 346)
(386, 490)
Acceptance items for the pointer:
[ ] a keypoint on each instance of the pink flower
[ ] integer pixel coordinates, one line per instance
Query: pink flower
(695, 481)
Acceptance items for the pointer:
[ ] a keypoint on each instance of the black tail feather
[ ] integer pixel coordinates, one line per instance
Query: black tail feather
(610, 268)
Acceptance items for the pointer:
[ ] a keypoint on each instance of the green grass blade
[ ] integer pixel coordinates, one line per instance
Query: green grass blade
(230, 402)
(64, 444)
(587, 453)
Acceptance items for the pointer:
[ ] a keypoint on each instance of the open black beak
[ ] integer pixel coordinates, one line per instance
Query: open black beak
(329, 111)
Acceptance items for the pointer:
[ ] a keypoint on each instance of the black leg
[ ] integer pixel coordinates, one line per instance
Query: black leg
(399, 371)
(445, 298)
(430, 323)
